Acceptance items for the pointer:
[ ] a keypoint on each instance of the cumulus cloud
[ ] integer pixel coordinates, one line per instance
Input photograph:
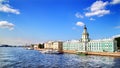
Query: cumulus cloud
(78, 15)
(6, 24)
(115, 2)
(80, 24)
(97, 9)
(7, 8)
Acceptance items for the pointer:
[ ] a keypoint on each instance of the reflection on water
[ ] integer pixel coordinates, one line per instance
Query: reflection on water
(21, 58)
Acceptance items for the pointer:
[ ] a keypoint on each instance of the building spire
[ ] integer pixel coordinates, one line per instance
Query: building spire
(85, 27)
(85, 30)
(85, 35)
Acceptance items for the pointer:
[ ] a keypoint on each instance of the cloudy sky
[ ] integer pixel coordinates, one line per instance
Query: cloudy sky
(35, 21)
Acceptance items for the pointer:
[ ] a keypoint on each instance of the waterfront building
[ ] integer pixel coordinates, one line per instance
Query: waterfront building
(48, 45)
(36, 46)
(103, 45)
(74, 45)
(87, 45)
(54, 45)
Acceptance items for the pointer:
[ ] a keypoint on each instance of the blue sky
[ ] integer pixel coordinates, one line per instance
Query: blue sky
(35, 21)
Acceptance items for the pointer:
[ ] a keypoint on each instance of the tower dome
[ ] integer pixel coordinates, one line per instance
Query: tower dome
(85, 35)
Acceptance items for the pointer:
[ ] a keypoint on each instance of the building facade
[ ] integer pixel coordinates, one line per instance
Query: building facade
(54, 45)
(87, 45)
(48, 45)
(36, 46)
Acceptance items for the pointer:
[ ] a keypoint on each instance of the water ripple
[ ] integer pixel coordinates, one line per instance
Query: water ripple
(21, 58)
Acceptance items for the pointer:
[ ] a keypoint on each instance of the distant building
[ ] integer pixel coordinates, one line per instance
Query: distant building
(54, 45)
(36, 46)
(48, 45)
(85, 44)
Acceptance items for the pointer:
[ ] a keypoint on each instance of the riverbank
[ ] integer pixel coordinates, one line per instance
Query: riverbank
(114, 54)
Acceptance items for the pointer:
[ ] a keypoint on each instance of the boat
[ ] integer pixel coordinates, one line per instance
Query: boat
(29, 48)
(50, 52)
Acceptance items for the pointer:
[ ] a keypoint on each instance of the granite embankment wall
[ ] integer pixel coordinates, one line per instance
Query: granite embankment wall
(69, 51)
(115, 54)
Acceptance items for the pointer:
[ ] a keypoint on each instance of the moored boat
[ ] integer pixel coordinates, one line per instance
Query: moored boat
(50, 52)
(29, 48)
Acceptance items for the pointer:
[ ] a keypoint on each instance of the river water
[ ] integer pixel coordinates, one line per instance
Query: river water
(13, 57)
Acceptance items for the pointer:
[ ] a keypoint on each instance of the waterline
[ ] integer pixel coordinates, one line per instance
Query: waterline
(21, 58)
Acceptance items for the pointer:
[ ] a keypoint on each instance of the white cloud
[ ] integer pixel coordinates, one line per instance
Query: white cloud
(92, 19)
(7, 8)
(98, 9)
(80, 24)
(115, 2)
(98, 13)
(98, 5)
(6, 24)
(78, 15)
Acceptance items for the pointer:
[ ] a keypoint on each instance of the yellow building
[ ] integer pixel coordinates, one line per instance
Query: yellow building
(57, 45)
(54, 45)
(48, 45)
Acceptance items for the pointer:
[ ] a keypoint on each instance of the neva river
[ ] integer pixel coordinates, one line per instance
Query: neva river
(21, 58)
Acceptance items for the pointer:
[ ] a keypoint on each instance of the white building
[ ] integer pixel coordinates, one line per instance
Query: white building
(85, 44)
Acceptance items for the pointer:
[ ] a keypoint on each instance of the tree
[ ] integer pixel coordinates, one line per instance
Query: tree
(40, 45)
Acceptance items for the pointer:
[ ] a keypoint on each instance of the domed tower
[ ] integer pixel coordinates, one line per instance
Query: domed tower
(85, 35)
